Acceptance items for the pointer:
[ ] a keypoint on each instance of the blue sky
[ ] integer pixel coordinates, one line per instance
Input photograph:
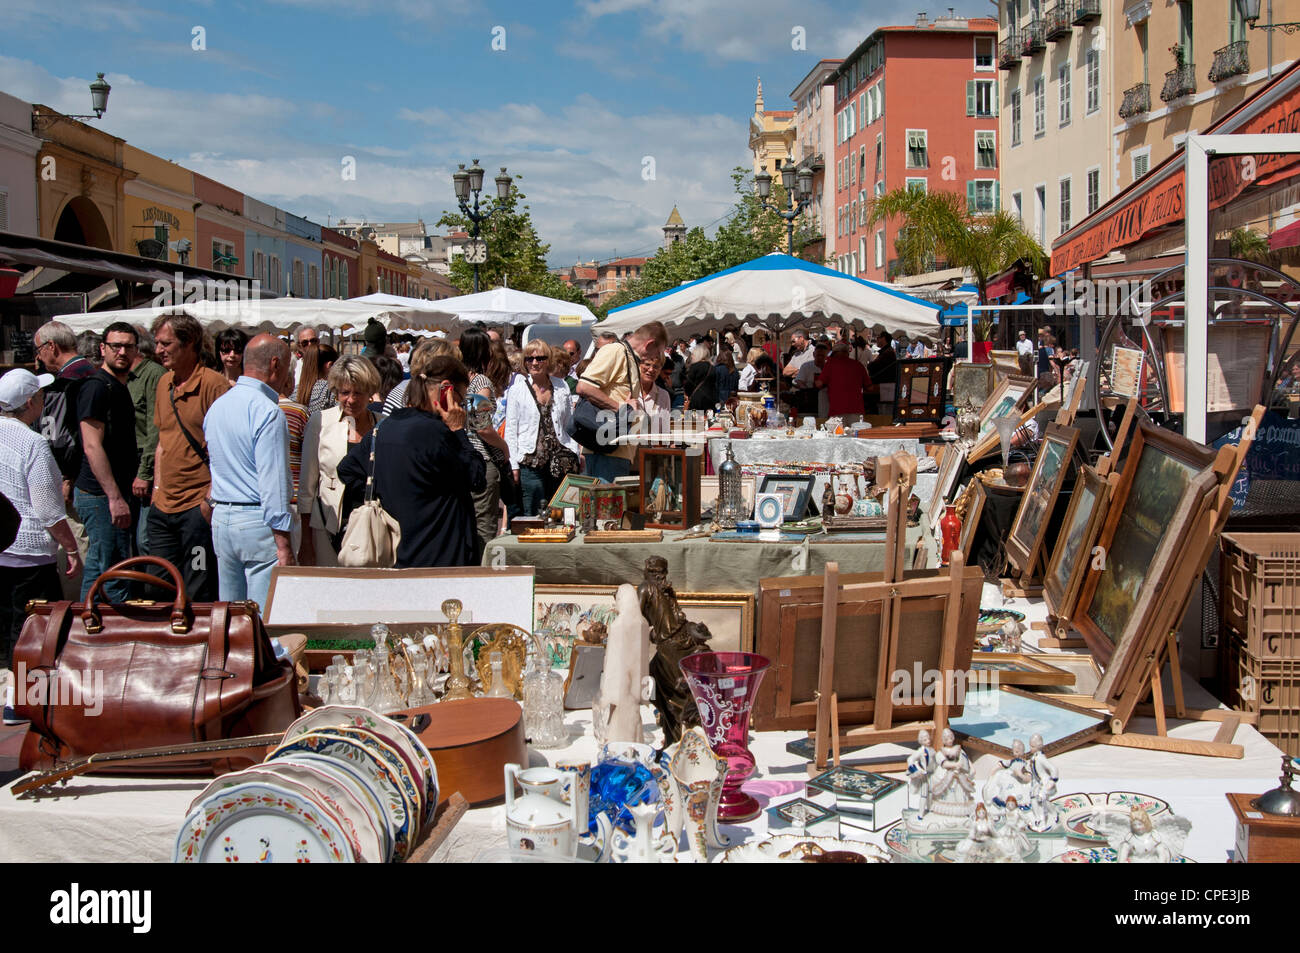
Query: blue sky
(582, 93)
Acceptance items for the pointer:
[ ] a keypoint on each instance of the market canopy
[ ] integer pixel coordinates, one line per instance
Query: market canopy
(497, 306)
(778, 291)
(272, 315)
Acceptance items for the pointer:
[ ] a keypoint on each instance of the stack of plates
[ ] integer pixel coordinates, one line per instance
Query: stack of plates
(344, 785)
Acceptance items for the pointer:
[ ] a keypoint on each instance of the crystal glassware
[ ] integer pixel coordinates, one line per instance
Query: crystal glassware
(363, 675)
(543, 691)
(498, 687)
(725, 685)
(731, 498)
(384, 698)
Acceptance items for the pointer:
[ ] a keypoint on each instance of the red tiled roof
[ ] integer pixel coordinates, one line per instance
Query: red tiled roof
(779, 113)
(628, 261)
(585, 274)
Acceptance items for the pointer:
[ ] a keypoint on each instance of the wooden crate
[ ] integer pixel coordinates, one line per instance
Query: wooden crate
(1269, 688)
(1261, 591)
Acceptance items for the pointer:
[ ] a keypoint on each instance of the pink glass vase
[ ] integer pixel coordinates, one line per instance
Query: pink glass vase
(724, 685)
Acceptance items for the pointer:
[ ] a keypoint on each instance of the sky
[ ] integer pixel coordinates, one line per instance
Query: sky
(608, 112)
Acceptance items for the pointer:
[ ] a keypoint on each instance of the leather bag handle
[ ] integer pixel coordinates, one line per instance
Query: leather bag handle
(182, 617)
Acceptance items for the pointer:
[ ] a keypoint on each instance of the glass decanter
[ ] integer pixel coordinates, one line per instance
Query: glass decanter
(363, 676)
(543, 691)
(498, 687)
(384, 698)
(328, 687)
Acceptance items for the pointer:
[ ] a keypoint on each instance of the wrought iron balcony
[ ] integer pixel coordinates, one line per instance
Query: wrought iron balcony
(1031, 38)
(1056, 25)
(1086, 11)
(1137, 100)
(1009, 52)
(1232, 60)
(1179, 82)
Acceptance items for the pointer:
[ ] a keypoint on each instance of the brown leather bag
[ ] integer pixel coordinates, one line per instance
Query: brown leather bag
(164, 673)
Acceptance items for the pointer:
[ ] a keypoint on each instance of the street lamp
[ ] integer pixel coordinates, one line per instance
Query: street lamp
(1250, 13)
(798, 183)
(469, 183)
(99, 91)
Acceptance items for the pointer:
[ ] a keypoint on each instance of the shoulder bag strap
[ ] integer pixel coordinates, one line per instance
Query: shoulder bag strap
(370, 480)
(197, 447)
(633, 386)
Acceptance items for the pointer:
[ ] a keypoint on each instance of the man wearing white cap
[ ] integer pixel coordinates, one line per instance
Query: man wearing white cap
(31, 481)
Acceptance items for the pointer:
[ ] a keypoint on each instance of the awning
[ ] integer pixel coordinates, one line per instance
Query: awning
(1001, 285)
(1288, 236)
(1156, 200)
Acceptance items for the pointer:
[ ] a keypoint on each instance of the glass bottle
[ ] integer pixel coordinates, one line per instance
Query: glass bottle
(731, 497)
(543, 690)
(498, 687)
(457, 686)
(363, 676)
(327, 689)
(384, 698)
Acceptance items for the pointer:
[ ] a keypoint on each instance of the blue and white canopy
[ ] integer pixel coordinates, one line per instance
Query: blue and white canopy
(777, 291)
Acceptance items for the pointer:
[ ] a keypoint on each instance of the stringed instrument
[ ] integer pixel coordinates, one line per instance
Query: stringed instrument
(472, 740)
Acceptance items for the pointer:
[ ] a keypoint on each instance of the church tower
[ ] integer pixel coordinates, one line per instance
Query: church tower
(674, 228)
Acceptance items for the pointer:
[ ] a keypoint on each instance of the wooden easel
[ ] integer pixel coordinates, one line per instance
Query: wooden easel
(1159, 646)
(899, 474)
(1067, 412)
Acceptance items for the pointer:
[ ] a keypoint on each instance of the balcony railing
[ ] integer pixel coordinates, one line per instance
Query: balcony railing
(1179, 82)
(1086, 11)
(1056, 25)
(1137, 100)
(1232, 60)
(1009, 52)
(1031, 38)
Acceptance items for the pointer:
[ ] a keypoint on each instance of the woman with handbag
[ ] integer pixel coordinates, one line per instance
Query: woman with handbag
(330, 434)
(538, 411)
(476, 354)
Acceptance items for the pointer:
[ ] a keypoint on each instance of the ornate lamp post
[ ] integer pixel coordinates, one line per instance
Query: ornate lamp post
(469, 183)
(798, 194)
(99, 91)
(1250, 13)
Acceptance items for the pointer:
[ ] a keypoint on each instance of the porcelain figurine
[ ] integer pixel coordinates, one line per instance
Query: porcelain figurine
(985, 843)
(952, 788)
(691, 793)
(1013, 832)
(674, 638)
(1043, 778)
(644, 846)
(920, 768)
(616, 714)
(1011, 779)
(1148, 841)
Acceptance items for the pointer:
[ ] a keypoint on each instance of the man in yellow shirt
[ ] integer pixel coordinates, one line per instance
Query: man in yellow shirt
(611, 381)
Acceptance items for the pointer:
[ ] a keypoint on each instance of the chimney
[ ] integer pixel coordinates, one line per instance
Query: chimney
(922, 20)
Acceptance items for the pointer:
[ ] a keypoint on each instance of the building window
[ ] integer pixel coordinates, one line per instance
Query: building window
(299, 282)
(862, 207)
(853, 171)
(853, 216)
(223, 257)
(853, 119)
(984, 49)
(1018, 206)
(880, 248)
(1236, 21)
(1015, 117)
(917, 185)
(1141, 163)
(313, 281)
(4, 210)
(880, 153)
(1065, 205)
(880, 187)
(982, 195)
(1063, 88)
(1092, 68)
(343, 279)
(986, 149)
(1094, 190)
(259, 267)
(981, 98)
(1040, 107)
(274, 277)
(918, 156)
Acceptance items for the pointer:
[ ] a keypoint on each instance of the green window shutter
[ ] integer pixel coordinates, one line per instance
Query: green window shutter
(993, 95)
(970, 195)
(997, 196)
(970, 97)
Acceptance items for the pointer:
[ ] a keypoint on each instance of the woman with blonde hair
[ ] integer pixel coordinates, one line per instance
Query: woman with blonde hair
(750, 370)
(432, 347)
(538, 419)
(330, 434)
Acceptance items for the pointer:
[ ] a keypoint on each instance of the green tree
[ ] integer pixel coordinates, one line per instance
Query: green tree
(940, 225)
(1249, 245)
(516, 255)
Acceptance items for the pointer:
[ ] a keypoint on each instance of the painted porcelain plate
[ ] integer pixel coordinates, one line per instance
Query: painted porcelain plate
(1083, 812)
(783, 849)
(1099, 855)
(260, 823)
(937, 848)
(412, 780)
(377, 772)
(371, 797)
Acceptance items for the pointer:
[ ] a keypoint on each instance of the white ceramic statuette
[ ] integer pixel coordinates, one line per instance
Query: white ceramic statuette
(948, 787)
(624, 684)
(1149, 840)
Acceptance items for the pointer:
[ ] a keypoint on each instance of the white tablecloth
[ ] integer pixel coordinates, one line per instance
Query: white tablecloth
(120, 819)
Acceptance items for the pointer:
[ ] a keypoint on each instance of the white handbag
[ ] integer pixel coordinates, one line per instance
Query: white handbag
(372, 535)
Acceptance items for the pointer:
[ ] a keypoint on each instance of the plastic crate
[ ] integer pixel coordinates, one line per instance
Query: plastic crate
(1271, 689)
(1260, 594)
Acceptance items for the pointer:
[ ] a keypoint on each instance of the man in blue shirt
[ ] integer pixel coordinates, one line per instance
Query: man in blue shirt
(248, 444)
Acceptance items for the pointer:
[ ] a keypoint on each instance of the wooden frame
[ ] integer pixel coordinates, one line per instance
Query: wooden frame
(1093, 724)
(1005, 364)
(1087, 678)
(926, 378)
(972, 520)
(679, 469)
(795, 506)
(1009, 396)
(1038, 502)
(1014, 668)
(567, 494)
(1073, 551)
(973, 381)
(1155, 458)
(949, 467)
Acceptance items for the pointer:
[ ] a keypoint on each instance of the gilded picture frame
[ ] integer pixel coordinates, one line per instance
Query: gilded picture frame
(1037, 503)
(567, 494)
(1010, 396)
(1073, 551)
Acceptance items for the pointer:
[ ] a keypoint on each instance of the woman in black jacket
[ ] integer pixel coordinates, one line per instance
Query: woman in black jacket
(699, 382)
(426, 470)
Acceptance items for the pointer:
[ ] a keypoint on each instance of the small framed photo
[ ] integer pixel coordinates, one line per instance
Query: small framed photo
(794, 490)
(568, 495)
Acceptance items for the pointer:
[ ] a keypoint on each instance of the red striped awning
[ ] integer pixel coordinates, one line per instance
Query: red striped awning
(1288, 236)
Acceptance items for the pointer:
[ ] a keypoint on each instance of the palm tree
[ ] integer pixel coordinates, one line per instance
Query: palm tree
(1250, 245)
(940, 225)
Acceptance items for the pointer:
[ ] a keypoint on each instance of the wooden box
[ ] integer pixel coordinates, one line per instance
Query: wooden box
(922, 390)
(1263, 838)
(670, 486)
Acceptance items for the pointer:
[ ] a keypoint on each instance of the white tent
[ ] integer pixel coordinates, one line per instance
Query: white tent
(777, 291)
(275, 315)
(500, 306)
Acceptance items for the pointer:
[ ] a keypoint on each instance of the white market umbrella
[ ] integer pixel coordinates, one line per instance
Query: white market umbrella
(274, 315)
(777, 291)
(509, 306)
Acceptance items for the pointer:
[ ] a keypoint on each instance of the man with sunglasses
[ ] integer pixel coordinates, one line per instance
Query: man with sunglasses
(305, 341)
(103, 490)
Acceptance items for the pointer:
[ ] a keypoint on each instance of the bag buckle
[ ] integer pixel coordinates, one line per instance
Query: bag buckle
(216, 673)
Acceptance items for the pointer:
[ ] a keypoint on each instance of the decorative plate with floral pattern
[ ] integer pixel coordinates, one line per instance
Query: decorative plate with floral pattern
(260, 823)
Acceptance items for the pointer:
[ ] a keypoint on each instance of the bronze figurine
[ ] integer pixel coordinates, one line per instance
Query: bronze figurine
(674, 637)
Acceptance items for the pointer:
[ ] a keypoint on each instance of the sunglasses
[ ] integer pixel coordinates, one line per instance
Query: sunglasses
(308, 342)
(535, 360)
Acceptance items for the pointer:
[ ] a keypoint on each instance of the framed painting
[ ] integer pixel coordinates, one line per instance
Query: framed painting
(950, 468)
(971, 383)
(922, 390)
(794, 490)
(1009, 397)
(1074, 547)
(709, 492)
(1164, 481)
(1005, 364)
(1025, 540)
(1013, 668)
(670, 487)
(971, 521)
(994, 718)
(567, 495)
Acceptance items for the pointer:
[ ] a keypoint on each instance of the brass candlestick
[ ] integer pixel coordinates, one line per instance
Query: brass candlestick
(457, 684)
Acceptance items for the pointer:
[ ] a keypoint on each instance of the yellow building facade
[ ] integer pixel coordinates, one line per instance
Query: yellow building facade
(159, 205)
(771, 135)
(80, 182)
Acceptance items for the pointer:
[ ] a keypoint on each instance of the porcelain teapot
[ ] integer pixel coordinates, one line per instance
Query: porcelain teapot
(540, 820)
(576, 792)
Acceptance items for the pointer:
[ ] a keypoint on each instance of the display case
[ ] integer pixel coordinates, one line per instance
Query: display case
(922, 390)
(670, 486)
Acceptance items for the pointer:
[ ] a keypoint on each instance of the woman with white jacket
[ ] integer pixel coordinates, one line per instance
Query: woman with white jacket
(538, 419)
(330, 434)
